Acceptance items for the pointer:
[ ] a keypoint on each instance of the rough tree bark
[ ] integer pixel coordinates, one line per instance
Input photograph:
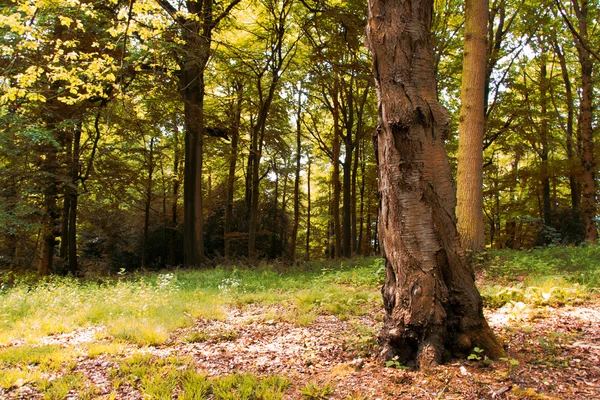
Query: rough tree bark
(471, 128)
(432, 307)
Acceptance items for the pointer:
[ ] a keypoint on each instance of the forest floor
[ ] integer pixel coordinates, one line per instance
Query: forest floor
(303, 345)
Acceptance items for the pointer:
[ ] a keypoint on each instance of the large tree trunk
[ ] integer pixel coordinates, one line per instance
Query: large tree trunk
(432, 306)
(195, 53)
(471, 128)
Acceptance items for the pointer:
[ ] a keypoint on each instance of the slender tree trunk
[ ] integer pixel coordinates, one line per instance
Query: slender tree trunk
(544, 151)
(329, 222)
(471, 127)
(255, 154)
(235, 134)
(249, 170)
(277, 225)
(284, 200)
(361, 245)
(192, 83)
(174, 217)
(430, 299)
(74, 196)
(64, 230)
(571, 154)
(586, 116)
(50, 222)
(347, 198)
(335, 179)
(294, 235)
(355, 242)
(148, 203)
(308, 209)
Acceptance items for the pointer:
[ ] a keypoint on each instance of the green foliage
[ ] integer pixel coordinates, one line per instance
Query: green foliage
(395, 363)
(477, 354)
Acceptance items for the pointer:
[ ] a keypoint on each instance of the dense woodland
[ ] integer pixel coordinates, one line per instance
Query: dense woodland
(151, 133)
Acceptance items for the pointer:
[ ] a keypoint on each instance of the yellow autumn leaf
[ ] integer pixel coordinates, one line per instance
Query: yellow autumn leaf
(66, 21)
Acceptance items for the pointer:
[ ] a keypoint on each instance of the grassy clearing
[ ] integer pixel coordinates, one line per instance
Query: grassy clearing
(145, 309)
(141, 310)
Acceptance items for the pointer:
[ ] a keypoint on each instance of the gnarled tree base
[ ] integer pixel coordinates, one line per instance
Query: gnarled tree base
(432, 307)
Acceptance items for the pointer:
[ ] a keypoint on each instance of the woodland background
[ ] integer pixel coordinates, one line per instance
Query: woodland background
(100, 105)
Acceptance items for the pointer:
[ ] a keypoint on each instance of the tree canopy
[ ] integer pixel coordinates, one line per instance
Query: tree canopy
(128, 126)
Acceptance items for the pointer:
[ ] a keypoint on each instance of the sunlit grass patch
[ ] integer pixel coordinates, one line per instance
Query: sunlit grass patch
(160, 378)
(552, 291)
(248, 386)
(59, 388)
(97, 349)
(16, 377)
(48, 358)
(576, 264)
(146, 308)
(317, 390)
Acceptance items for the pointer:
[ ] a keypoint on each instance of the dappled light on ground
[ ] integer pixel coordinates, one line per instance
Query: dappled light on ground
(311, 334)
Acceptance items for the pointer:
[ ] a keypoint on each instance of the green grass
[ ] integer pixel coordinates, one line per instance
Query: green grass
(145, 309)
(576, 264)
(317, 391)
(159, 378)
(544, 276)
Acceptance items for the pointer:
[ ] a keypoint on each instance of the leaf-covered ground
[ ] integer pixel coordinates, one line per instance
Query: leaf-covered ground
(285, 349)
